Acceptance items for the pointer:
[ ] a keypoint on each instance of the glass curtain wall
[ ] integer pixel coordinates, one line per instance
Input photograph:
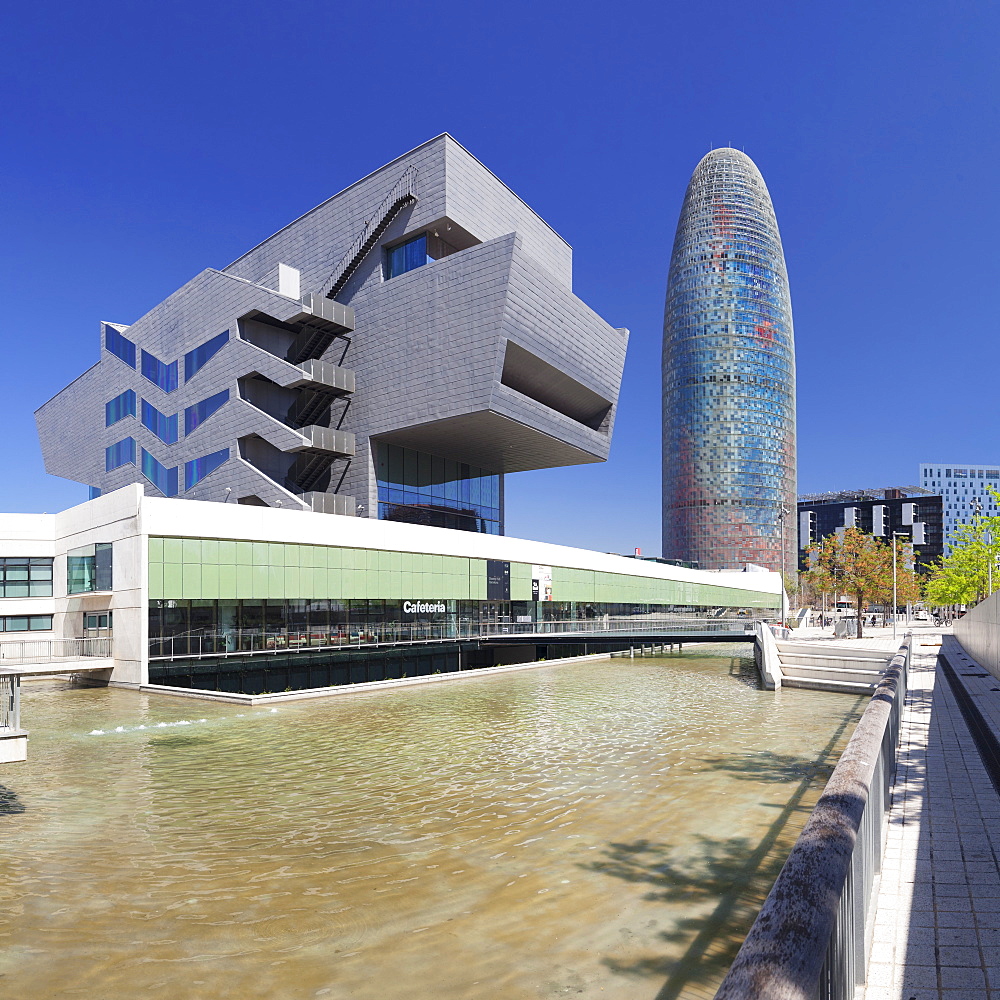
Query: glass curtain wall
(440, 492)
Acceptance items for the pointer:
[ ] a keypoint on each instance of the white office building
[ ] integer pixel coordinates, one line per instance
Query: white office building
(962, 488)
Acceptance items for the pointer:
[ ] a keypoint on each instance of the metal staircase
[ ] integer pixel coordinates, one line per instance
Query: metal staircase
(403, 193)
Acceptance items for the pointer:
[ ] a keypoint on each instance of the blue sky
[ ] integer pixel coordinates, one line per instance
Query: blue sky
(144, 143)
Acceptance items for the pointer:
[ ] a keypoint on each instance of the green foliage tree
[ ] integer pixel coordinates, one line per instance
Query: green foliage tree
(963, 576)
(858, 564)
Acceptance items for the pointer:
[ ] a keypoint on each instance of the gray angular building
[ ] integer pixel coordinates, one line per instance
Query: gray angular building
(392, 353)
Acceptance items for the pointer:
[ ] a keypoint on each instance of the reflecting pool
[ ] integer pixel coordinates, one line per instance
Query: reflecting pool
(601, 828)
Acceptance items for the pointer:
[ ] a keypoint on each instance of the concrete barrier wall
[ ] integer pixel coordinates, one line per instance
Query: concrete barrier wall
(979, 633)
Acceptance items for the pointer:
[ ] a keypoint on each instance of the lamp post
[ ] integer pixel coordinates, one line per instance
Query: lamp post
(782, 514)
(977, 511)
(895, 535)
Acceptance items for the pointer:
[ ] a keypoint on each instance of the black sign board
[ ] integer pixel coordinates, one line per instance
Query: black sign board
(497, 580)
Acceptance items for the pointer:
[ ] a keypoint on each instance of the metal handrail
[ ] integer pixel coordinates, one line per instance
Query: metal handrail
(810, 938)
(233, 642)
(41, 650)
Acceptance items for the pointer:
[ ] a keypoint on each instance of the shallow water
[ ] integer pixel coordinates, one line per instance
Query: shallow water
(589, 829)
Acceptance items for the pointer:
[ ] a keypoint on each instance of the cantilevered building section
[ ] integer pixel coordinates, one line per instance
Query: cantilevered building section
(393, 353)
(728, 376)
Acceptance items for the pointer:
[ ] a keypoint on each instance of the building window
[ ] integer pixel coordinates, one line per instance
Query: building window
(89, 568)
(119, 408)
(163, 375)
(101, 620)
(200, 356)
(26, 623)
(196, 471)
(93, 492)
(164, 427)
(424, 489)
(200, 412)
(121, 347)
(25, 576)
(164, 479)
(407, 256)
(120, 453)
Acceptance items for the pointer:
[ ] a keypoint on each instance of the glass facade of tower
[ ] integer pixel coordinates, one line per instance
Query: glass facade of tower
(728, 376)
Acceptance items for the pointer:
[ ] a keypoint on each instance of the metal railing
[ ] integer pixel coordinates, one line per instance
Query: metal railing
(811, 936)
(10, 701)
(44, 650)
(221, 642)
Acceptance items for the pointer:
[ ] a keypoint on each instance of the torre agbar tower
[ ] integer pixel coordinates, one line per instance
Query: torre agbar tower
(728, 376)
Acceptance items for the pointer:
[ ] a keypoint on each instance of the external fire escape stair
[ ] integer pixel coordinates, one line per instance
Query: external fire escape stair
(403, 193)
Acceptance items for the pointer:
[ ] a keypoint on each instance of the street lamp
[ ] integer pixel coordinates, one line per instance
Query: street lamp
(782, 514)
(895, 535)
(977, 512)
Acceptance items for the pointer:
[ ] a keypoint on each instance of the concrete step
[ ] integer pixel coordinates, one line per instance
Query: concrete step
(832, 649)
(829, 673)
(841, 687)
(823, 660)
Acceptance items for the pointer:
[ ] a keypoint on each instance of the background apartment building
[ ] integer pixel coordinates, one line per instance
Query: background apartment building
(962, 488)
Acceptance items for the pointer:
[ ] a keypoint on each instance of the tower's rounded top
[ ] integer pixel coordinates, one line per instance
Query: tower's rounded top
(726, 155)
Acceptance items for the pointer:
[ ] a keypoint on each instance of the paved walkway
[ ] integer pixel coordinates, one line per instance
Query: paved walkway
(937, 917)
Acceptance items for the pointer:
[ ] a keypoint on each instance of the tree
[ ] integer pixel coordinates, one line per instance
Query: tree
(858, 564)
(964, 575)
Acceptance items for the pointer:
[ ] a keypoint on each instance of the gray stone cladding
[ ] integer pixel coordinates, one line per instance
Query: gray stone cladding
(427, 350)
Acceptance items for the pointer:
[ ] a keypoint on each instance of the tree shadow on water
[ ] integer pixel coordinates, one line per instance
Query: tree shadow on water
(10, 804)
(720, 885)
(722, 882)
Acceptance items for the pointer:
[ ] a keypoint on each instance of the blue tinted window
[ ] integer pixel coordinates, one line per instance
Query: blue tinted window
(120, 453)
(200, 412)
(425, 489)
(164, 427)
(407, 256)
(196, 471)
(119, 346)
(200, 356)
(164, 479)
(165, 376)
(120, 407)
(93, 492)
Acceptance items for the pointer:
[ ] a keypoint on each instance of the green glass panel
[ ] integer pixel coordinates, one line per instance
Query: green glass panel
(191, 581)
(293, 555)
(227, 582)
(227, 553)
(156, 550)
(293, 588)
(171, 580)
(209, 581)
(276, 581)
(191, 550)
(244, 553)
(209, 551)
(260, 553)
(260, 579)
(172, 550)
(245, 583)
(155, 581)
